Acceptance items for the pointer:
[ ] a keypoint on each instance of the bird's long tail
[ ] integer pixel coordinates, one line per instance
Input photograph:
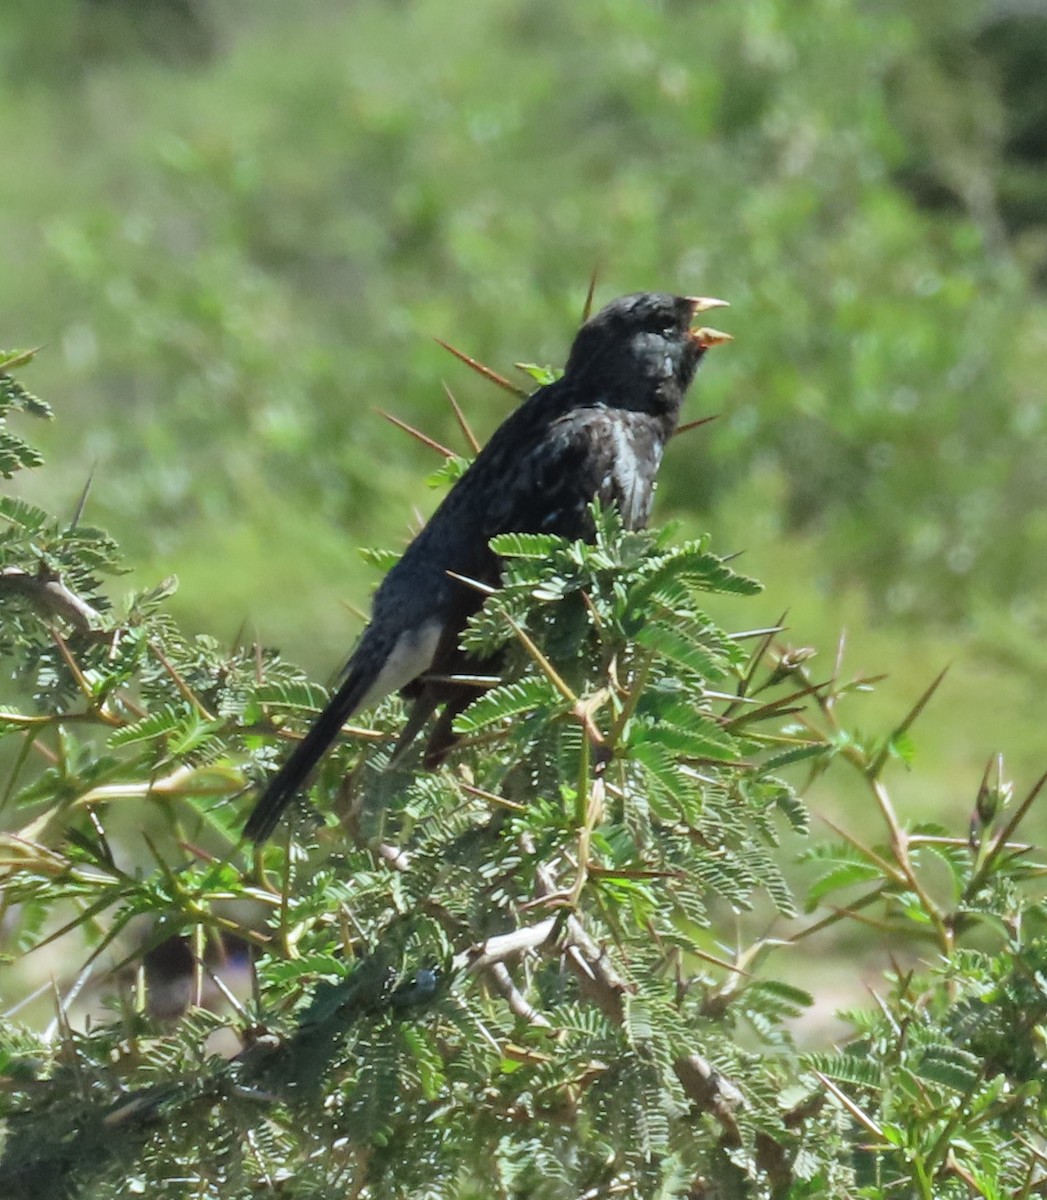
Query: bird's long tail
(296, 770)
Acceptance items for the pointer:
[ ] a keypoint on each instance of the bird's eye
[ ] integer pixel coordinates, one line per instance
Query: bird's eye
(662, 323)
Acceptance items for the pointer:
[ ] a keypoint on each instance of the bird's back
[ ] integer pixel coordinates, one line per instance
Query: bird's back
(538, 474)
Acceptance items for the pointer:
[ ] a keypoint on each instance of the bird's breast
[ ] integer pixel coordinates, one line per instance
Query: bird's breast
(628, 481)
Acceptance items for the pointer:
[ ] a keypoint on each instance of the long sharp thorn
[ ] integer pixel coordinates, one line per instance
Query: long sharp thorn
(984, 785)
(888, 870)
(840, 647)
(769, 709)
(765, 631)
(877, 764)
(463, 424)
(186, 691)
(1018, 816)
(72, 664)
(81, 504)
(235, 643)
(546, 667)
(758, 654)
(484, 589)
(587, 307)
(500, 801)
(480, 369)
(355, 611)
(689, 425)
(861, 1117)
(416, 433)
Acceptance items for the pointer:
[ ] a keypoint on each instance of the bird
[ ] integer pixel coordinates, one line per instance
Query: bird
(596, 433)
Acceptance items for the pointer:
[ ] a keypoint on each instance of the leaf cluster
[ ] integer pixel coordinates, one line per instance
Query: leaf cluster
(530, 973)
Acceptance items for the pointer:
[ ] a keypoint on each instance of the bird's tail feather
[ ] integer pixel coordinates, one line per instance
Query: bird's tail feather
(296, 770)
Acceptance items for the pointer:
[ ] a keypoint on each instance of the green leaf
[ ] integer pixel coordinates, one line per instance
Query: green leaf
(794, 1000)
(16, 454)
(673, 793)
(700, 569)
(797, 754)
(541, 375)
(293, 694)
(28, 518)
(536, 546)
(843, 875)
(681, 646)
(13, 394)
(160, 723)
(862, 1071)
(449, 472)
(703, 738)
(11, 360)
(384, 560)
(508, 700)
(949, 1066)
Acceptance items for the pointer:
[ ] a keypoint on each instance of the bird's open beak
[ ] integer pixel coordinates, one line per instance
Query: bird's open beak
(704, 303)
(705, 337)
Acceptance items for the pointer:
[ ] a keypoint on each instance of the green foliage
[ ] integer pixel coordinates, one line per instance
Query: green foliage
(863, 182)
(14, 453)
(522, 975)
(955, 1084)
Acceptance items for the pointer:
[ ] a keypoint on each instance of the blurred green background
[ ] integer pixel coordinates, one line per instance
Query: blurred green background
(236, 228)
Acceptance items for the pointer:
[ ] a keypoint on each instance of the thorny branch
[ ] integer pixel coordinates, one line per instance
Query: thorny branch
(46, 591)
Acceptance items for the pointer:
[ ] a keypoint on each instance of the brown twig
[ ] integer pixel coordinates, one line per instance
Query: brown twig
(463, 424)
(587, 307)
(687, 426)
(480, 369)
(416, 434)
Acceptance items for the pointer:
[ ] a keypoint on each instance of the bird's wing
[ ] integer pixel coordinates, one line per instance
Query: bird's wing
(585, 454)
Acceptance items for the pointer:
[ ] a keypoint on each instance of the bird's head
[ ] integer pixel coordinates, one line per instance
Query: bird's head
(641, 351)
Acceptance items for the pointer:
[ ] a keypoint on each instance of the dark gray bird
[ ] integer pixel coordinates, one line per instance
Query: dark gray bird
(597, 432)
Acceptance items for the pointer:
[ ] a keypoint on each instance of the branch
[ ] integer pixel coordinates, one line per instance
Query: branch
(49, 593)
(598, 977)
(706, 1088)
(498, 974)
(505, 945)
(711, 1092)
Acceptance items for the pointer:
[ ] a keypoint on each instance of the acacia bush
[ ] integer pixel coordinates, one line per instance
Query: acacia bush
(519, 976)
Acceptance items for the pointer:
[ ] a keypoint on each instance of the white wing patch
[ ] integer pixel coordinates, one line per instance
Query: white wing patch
(412, 653)
(634, 494)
